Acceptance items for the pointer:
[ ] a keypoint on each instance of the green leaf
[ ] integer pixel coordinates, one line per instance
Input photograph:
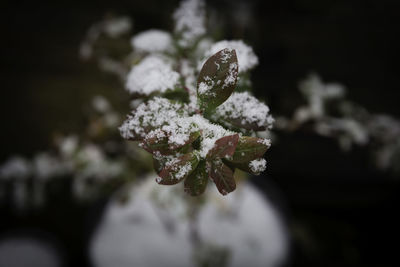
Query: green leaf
(217, 79)
(196, 182)
(224, 147)
(222, 176)
(179, 170)
(249, 148)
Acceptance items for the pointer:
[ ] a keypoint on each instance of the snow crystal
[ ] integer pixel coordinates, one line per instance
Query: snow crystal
(189, 22)
(245, 54)
(258, 165)
(152, 74)
(247, 108)
(152, 41)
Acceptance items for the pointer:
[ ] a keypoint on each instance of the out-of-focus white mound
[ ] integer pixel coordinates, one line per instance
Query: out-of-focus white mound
(25, 251)
(153, 228)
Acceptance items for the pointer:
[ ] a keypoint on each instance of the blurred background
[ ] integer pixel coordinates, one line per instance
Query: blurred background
(339, 209)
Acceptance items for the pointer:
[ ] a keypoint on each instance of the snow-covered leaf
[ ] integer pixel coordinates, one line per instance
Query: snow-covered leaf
(196, 182)
(217, 79)
(224, 147)
(156, 141)
(222, 176)
(178, 169)
(254, 167)
(192, 137)
(250, 148)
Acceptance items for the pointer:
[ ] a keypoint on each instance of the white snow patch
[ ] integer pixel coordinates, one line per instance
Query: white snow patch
(258, 165)
(152, 74)
(152, 41)
(247, 108)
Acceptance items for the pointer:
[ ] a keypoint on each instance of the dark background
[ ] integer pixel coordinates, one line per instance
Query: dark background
(341, 210)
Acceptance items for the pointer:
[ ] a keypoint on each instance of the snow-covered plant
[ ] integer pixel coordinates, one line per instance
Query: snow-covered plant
(191, 119)
(328, 113)
(96, 162)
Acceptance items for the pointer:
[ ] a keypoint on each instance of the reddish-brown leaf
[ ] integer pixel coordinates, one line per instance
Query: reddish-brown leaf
(222, 176)
(196, 182)
(217, 79)
(249, 148)
(179, 170)
(224, 147)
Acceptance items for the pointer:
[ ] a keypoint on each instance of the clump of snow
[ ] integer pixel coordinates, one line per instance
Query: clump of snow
(247, 59)
(258, 165)
(152, 114)
(246, 108)
(183, 171)
(205, 88)
(265, 141)
(152, 41)
(189, 22)
(152, 74)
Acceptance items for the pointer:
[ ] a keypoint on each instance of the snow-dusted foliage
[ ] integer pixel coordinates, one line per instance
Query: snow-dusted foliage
(329, 114)
(191, 120)
(189, 22)
(93, 167)
(245, 111)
